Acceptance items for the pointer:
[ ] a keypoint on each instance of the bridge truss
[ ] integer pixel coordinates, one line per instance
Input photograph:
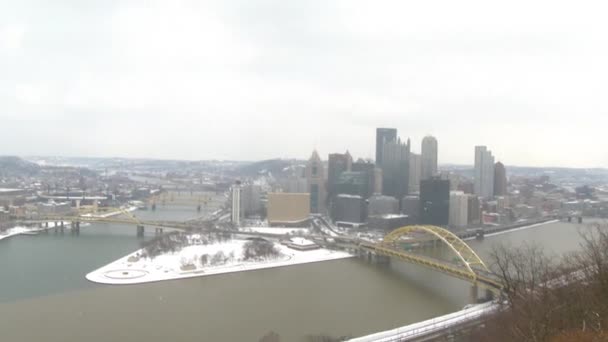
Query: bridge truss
(470, 267)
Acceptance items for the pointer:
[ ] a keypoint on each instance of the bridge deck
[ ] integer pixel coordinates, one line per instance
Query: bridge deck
(481, 277)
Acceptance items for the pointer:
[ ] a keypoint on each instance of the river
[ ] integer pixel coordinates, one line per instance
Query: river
(44, 296)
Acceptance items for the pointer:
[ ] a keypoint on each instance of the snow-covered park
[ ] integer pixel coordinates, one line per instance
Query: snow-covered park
(204, 258)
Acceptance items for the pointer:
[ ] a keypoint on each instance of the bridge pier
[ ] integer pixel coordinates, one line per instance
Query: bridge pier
(46, 224)
(473, 294)
(382, 260)
(140, 231)
(489, 295)
(76, 227)
(580, 219)
(158, 231)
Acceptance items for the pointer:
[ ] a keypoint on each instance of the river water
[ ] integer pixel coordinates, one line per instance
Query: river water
(44, 296)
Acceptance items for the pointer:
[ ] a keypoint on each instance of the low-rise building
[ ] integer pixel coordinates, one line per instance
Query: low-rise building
(301, 244)
(348, 208)
(383, 205)
(388, 222)
(288, 209)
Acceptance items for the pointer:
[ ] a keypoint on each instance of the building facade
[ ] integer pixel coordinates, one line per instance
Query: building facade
(500, 180)
(459, 209)
(353, 183)
(236, 203)
(395, 169)
(288, 209)
(484, 172)
(337, 164)
(251, 202)
(315, 176)
(428, 154)
(369, 169)
(383, 136)
(383, 205)
(474, 210)
(348, 209)
(434, 201)
(410, 206)
(415, 173)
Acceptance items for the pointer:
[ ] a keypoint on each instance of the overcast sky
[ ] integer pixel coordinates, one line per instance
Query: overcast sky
(252, 79)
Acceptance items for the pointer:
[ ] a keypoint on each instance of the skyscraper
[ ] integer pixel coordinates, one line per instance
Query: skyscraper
(370, 170)
(315, 176)
(459, 209)
(428, 155)
(395, 168)
(474, 210)
(434, 201)
(415, 172)
(484, 172)
(500, 180)
(383, 136)
(337, 164)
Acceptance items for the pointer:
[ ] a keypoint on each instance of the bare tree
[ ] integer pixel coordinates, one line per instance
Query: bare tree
(548, 299)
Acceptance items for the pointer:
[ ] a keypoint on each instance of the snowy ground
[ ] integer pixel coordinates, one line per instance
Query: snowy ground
(437, 325)
(113, 213)
(276, 230)
(26, 230)
(129, 270)
(516, 229)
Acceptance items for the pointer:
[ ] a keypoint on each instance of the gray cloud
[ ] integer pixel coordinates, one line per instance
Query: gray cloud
(259, 79)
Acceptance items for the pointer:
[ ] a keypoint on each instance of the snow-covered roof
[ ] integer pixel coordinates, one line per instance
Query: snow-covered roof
(9, 190)
(301, 241)
(393, 216)
(349, 196)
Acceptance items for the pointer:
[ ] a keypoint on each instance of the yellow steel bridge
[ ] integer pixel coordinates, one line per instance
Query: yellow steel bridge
(469, 265)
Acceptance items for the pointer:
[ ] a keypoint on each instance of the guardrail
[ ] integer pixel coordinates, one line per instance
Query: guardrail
(434, 326)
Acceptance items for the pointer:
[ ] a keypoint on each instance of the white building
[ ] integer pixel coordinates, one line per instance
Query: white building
(484, 172)
(459, 209)
(301, 244)
(236, 203)
(415, 173)
(428, 156)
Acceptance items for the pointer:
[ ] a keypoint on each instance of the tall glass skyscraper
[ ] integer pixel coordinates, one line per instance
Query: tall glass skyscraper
(383, 136)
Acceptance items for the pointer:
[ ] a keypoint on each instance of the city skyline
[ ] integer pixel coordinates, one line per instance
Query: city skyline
(116, 81)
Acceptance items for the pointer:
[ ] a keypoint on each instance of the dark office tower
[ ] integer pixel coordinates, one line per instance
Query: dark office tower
(395, 168)
(315, 175)
(500, 180)
(474, 210)
(434, 201)
(337, 164)
(383, 136)
(353, 183)
(370, 171)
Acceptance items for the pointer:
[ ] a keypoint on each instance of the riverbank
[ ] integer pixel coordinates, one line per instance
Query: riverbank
(15, 231)
(506, 230)
(134, 269)
(113, 213)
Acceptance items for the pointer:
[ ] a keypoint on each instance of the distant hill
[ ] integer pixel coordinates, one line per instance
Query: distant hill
(11, 166)
(276, 167)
